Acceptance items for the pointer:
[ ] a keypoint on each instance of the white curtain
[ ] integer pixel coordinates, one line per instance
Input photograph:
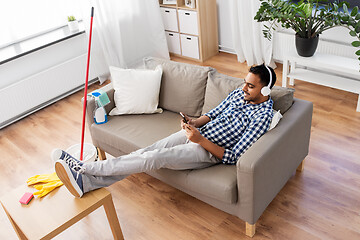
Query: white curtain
(249, 43)
(126, 31)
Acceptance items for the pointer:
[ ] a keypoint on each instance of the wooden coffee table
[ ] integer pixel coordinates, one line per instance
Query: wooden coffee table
(47, 217)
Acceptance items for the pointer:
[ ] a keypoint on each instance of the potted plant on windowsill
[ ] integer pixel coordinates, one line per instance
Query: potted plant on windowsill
(308, 19)
(73, 24)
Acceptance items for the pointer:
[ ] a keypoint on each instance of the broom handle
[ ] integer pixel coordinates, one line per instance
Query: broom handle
(86, 87)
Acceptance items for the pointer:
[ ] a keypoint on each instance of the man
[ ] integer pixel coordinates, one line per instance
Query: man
(220, 136)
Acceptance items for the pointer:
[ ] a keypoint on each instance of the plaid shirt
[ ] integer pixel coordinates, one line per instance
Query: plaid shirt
(236, 125)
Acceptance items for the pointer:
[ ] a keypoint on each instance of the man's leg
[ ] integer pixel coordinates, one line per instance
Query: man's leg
(180, 157)
(93, 182)
(170, 141)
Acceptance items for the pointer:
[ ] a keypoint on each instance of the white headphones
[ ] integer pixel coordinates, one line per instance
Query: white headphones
(265, 91)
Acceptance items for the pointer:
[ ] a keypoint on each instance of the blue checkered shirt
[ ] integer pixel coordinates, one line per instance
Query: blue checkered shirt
(236, 125)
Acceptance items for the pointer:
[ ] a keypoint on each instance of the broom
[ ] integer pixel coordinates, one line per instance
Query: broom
(86, 87)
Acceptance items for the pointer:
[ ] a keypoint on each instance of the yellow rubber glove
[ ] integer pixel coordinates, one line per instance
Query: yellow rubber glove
(43, 178)
(44, 189)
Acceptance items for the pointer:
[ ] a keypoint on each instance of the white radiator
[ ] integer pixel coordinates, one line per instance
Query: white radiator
(285, 42)
(39, 90)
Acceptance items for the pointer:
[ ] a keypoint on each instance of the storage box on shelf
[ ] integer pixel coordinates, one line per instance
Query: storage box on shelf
(191, 32)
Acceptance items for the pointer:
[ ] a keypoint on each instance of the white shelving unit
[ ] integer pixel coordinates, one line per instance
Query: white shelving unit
(191, 32)
(324, 69)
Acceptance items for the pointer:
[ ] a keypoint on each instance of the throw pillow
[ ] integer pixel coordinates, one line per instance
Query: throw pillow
(218, 88)
(275, 119)
(136, 90)
(182, 85)
(282, 97)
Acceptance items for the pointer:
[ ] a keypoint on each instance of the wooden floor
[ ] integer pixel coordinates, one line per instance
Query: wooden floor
(323, 202)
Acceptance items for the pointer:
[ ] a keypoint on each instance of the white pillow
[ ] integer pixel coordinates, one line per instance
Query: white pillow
(275, 119)
(136, 90)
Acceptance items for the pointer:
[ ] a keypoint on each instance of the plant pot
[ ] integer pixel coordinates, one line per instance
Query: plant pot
(306, 47)
(73, 26)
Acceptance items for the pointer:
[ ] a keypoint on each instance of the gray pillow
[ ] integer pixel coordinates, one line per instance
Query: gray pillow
(283, 98)
(218, 88)
(182, 85)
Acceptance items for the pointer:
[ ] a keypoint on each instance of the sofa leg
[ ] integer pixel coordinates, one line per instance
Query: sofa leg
(250, 229)
(300, 168)
(101, 154)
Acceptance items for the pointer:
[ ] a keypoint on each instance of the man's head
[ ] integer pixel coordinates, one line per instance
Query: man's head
(257, 78)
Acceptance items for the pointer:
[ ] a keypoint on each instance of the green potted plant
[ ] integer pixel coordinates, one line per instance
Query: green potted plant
(73, 24)
(308, 19)
(351, 20)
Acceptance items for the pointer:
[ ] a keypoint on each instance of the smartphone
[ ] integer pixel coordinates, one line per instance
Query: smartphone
(186, 121)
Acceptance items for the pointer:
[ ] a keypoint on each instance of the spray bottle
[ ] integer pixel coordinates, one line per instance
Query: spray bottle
(100, 116)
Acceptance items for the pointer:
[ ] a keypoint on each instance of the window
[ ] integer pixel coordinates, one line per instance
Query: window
(22, 19)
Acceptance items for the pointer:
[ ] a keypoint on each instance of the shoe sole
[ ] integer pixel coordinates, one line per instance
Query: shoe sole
(63, 172)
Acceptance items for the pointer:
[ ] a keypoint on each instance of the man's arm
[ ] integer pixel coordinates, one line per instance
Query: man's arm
(199, 122)
(254, 131)
(194, 135)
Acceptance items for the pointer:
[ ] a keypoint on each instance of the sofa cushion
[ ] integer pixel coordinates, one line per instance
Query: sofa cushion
(131, 132)
(136, 90)
(217, 182)
(218, 88)
(283, 98)
(182, 85)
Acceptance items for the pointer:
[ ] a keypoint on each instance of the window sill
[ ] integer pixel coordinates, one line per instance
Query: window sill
(28, 46)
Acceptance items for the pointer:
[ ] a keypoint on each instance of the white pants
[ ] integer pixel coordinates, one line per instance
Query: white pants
(174, 152)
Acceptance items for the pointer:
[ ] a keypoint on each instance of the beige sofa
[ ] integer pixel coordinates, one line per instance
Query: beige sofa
(244, 189)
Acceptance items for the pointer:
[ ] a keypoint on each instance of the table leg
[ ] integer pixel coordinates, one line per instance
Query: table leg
(358, 104)
(292, 68)
(113, 219)
(285, 72)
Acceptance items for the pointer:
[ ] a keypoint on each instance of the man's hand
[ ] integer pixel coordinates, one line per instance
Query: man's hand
(190, 121)
(192, 133)
(199, 122)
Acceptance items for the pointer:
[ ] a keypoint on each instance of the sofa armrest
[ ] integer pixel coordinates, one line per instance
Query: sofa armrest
(90, 104)
(266, 166)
